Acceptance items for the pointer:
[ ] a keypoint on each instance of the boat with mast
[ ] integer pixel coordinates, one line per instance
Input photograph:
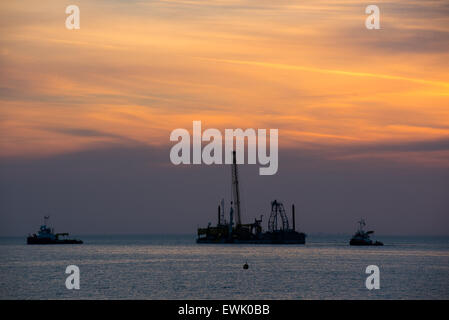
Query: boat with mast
(46, 235)
(362, 237)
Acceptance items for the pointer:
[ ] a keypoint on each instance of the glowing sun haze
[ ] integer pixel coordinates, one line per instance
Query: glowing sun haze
(138, 69)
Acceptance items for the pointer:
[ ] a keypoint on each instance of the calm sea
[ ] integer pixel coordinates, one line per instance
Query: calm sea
(175, 267)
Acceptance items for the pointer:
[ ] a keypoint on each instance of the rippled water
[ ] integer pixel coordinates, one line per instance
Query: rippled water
(175, 267)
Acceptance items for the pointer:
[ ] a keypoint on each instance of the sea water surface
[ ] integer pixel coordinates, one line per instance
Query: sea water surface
(175, 267)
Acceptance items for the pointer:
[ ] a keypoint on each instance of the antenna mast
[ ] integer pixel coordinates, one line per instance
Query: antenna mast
(235, 189)
(362, 224)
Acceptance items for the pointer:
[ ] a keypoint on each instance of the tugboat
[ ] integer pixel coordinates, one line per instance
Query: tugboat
(279, 229)
(46, 235)
(362, 237)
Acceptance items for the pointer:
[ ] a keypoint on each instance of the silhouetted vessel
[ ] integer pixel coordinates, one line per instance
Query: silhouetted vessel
(46, 235)
(279, 230)
(362, 237)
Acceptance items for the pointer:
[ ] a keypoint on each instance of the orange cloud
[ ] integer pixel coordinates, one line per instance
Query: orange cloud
(134, 72)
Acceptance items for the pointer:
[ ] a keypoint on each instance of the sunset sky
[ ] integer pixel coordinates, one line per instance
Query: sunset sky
(136, 70)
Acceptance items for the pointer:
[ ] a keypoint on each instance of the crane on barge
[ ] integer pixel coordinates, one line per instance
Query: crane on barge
(279, 231)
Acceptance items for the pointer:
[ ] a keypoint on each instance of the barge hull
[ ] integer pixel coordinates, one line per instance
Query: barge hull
(32, 240)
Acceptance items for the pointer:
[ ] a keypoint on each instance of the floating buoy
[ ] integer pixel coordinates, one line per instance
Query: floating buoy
(245, 266)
